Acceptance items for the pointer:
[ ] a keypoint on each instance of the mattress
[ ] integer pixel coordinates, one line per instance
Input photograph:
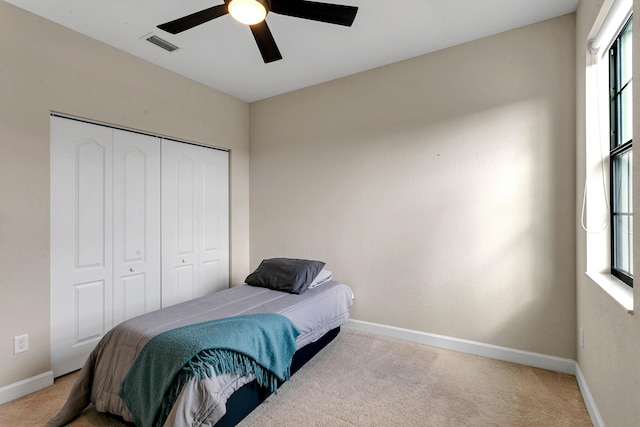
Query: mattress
(202, 402)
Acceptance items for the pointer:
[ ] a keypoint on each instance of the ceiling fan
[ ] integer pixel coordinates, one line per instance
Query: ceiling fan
(253, 12)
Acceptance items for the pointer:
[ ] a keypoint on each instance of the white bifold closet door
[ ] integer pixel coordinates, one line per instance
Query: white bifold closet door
(195, 218)
(105, 244)
(137, 223)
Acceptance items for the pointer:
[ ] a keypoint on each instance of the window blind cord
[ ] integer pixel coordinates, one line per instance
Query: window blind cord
(602, 171)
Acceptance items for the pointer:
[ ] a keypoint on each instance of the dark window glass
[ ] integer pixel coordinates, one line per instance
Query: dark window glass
(621, 155)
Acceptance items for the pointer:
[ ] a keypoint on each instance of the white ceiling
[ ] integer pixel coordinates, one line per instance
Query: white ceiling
(222, 53)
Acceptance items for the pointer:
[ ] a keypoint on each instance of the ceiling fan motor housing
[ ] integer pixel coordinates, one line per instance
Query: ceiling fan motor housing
(248, 12)
(265, 3)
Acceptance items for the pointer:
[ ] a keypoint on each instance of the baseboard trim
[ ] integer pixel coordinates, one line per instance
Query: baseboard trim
(536, 360)
(22, 388)
(589, 401)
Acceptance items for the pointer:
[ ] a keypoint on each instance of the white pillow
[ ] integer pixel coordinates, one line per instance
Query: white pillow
(323, 277)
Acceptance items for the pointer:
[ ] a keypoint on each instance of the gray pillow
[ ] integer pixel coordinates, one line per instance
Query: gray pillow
(285, 274)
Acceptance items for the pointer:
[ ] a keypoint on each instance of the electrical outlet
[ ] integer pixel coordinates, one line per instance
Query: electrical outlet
(20, 343)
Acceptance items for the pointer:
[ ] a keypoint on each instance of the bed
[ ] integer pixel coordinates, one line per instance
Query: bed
(317, 312)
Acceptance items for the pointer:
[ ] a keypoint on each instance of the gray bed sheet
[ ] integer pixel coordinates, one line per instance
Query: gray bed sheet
(203, 402)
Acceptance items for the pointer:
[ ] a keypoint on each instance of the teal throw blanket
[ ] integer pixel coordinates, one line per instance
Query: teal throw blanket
(259, 344)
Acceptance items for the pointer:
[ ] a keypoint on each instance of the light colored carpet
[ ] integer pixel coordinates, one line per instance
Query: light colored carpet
(368, 380)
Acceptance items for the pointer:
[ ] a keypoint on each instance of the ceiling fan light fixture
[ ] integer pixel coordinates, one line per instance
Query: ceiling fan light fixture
(249, 12)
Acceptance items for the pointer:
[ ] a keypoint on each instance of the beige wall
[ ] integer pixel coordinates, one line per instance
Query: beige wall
(44, 68)
(441, 188)
(610, 360)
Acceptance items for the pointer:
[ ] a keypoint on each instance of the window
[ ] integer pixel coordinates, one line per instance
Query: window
(621, 154)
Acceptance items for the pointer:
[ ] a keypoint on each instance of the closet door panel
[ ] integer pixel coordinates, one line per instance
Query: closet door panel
(214, 220)
(185, 283)
(187, 203)
(90, 158)
(136, 207)
(179, 222)
(81, 240)
(134, 292)
(88, 296)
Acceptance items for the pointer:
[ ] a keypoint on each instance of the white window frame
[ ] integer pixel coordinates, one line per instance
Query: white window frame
(596, 200)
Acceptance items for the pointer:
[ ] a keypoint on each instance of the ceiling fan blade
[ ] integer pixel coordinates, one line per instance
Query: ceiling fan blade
(265, 42)
(187, 22)
(324, 12)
